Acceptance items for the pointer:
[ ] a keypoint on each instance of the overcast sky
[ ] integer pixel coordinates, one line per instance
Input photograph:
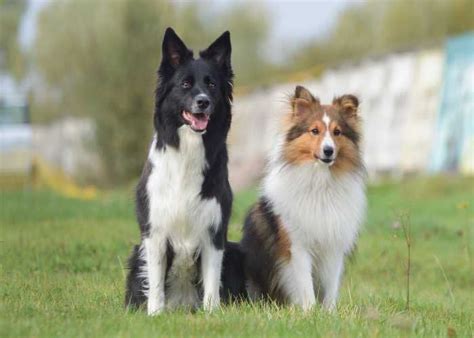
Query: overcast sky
(299, 21)
(293, 22)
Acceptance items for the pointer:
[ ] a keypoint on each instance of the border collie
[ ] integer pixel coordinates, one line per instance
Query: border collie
(311, 206)
(183, 199)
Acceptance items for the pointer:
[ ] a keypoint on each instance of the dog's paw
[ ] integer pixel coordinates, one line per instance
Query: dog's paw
(210, 303)
(329, 305)
(154, 308)
(307, 306)
(153, 313)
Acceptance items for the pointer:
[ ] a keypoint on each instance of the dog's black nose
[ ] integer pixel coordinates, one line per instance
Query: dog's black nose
(328, 151)
(202, 102)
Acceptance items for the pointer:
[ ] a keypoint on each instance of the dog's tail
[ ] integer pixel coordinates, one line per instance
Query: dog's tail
(233, 273)
(135, 293)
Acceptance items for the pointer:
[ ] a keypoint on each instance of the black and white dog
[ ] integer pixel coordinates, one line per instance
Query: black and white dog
(183, 199)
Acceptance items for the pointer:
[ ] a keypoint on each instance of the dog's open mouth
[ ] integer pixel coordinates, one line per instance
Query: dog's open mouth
(197, 122)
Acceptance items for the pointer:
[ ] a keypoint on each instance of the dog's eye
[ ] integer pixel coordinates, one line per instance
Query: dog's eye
(315, 131)
(211, 84)
(337, 132)
(186, 84)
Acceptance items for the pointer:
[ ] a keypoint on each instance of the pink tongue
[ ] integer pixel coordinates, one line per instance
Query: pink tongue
(199, 123)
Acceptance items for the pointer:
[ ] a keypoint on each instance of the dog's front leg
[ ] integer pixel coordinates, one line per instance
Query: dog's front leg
(155, 247)
(296, 279)
(211, 265)
(330, 275)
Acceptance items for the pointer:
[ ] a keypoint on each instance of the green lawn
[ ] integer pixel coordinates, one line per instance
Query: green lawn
(62, 270)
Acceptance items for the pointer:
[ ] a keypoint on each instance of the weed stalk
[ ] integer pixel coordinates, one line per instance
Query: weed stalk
(405, 224)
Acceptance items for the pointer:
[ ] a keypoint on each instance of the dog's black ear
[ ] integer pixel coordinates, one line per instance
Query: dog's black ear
(174, 51)
(219, 51)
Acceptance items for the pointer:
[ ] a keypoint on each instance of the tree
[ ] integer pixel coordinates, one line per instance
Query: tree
(249, 29)
(377, 27)
(101, 56)
(11, 57)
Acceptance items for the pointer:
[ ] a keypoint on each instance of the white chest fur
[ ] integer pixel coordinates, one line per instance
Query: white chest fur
(321, 212)
(176, 209)
(179, 214)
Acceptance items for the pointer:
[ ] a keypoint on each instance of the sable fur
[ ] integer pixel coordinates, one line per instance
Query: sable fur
(311, 206)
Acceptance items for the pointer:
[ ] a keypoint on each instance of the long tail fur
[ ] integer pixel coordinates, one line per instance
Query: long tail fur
(233, 273)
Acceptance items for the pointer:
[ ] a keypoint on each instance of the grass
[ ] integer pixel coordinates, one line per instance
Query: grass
(62, 270)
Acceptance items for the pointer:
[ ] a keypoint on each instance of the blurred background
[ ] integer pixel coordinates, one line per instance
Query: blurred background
(77, 81)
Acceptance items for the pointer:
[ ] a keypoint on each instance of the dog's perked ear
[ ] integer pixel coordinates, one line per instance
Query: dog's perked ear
(303, 93)
(302, 101)
(349, 105)
(219, 51)
(174, 51)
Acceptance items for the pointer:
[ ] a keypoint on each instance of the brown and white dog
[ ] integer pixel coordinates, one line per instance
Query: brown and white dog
(311, 206)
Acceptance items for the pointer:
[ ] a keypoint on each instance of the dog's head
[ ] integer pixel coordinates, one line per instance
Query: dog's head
(323, 134)
(193, 92)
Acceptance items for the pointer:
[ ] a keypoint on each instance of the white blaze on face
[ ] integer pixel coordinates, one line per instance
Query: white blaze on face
(327, 140)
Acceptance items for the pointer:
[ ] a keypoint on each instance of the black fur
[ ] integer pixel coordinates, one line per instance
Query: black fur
(255, 257)
(260, 233)
(134, 296)
(296, 131)
(141, 200)
(268, 214)
(233, 274)
(171, 98)
(350, 132)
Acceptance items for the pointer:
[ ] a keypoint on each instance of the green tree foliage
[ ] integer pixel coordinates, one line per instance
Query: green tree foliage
(11, 58)
(249, 31)
(101, 57)
(377, 27)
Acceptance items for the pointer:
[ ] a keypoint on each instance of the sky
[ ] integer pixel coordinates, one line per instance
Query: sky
(296, 22)
(27, 30)
(293, 22)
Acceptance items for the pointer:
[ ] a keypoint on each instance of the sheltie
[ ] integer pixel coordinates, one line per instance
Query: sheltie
(311, 206)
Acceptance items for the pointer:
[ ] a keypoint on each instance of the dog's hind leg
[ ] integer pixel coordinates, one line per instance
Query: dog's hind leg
(136, 281)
